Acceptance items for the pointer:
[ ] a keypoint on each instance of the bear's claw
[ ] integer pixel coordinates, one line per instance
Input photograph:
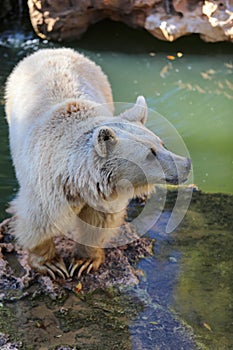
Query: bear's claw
(44, 259)
(83, 264)
(57, 267)
(50, 272)
(51, 267)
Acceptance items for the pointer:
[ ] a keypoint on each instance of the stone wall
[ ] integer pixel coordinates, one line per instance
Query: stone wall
(166, 19)
(62, 20)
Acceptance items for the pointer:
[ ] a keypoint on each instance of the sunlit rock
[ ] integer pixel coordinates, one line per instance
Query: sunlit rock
(166, 20)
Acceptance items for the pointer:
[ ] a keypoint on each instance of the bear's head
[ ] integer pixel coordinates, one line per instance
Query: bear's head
(131, 156)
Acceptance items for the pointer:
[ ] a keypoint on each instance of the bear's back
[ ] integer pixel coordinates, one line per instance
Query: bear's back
(50, 77)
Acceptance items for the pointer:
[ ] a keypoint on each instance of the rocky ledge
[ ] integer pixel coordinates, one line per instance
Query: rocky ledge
(165, 19)
(18, 280)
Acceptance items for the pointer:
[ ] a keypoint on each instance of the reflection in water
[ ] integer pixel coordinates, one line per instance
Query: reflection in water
(164, 71)
(221, 87)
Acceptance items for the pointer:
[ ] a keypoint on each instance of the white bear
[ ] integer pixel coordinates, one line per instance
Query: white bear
(77, 164)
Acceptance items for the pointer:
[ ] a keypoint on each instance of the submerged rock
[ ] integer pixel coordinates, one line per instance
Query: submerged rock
(166, 20)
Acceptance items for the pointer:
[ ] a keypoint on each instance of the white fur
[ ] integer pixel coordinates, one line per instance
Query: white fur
(73, 158)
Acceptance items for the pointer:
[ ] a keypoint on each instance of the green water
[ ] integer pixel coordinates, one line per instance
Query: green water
(195, 94)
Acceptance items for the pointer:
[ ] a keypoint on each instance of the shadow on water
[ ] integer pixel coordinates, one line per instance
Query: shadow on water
(121, 38)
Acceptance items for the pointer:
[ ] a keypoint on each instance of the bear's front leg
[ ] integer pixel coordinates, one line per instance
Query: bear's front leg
(92, 231)
(44, 259)
(87, 259)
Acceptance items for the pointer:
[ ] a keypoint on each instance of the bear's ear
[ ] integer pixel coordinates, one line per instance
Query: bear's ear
(104, 139)
(138, 113)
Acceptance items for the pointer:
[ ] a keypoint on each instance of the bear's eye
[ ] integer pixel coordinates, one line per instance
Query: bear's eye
(152, 154)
